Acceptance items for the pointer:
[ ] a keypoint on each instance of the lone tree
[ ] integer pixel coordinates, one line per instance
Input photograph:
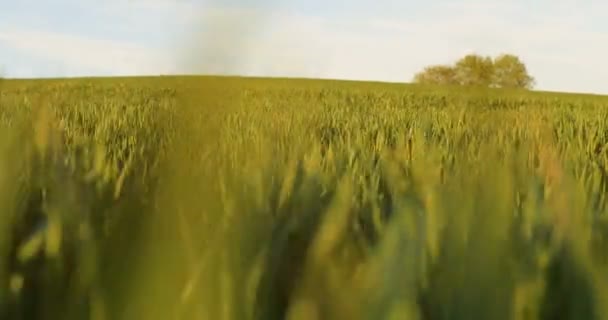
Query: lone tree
(474, 70)
(511, 72)
(504, 71)
(437, 75)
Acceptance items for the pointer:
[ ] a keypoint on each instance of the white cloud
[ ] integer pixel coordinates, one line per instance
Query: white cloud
(104, 56)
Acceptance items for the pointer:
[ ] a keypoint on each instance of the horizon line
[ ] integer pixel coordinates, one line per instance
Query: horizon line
(178, 75)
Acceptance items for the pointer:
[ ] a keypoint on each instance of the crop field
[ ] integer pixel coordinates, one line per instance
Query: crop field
(246, 198)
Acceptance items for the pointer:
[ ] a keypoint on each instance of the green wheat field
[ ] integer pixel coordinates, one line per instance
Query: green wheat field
(252, 198)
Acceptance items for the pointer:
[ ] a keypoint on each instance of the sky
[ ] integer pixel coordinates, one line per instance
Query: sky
(562, 42)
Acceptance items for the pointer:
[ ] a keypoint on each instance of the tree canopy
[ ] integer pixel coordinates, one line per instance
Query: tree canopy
(503, 71)
(440, 74)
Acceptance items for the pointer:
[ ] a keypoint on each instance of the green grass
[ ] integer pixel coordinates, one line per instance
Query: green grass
(236, 198)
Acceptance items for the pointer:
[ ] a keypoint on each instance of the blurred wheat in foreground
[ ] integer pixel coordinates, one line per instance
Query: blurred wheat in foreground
(222, 198)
